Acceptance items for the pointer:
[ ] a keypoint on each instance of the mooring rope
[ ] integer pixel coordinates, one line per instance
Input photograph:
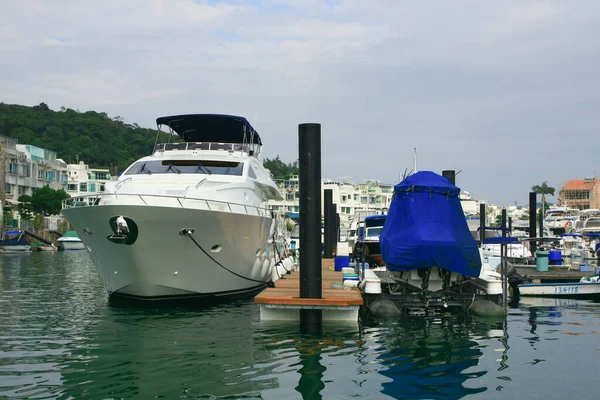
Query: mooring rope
(189, 232)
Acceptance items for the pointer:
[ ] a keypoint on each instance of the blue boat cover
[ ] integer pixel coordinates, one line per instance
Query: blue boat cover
(501, 240)
(426, 227)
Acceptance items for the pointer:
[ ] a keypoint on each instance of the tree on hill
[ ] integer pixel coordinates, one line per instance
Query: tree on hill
(90, 136)
(44, 200)
(94, 137)
(279, 169)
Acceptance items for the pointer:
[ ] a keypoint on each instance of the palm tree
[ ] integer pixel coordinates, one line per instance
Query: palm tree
(543, 189)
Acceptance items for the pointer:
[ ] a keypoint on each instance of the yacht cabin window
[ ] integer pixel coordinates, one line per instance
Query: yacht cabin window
(207, 167)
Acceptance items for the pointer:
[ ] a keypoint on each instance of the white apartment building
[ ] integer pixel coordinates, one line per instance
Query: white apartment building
(84, 181)
(350, 197)
(28, 168)
(24, 168)
(347, 195)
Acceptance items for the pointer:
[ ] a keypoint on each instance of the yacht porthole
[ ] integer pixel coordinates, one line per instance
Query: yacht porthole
(216, 248)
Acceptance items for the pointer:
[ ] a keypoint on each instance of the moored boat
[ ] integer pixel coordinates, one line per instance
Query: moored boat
(587, 287)
(13, 242)
(189, 220)
(70, 241)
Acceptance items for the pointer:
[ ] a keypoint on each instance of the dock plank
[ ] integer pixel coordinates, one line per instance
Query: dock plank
(287, 291)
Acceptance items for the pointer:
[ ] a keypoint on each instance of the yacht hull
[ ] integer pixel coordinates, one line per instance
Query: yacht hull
(229, 255)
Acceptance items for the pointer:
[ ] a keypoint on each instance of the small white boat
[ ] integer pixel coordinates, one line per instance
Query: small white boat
(588, 287)
(70, 241)
(13, 242)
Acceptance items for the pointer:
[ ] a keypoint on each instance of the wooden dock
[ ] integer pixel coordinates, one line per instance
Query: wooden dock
(283, 302)
(554, 273)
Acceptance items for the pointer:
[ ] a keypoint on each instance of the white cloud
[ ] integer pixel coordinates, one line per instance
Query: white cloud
(486, 87)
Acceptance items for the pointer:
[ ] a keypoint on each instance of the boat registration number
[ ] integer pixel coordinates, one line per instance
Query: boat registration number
(566, 289)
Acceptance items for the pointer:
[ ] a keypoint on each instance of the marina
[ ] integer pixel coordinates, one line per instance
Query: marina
(62, 337)
(299, 200)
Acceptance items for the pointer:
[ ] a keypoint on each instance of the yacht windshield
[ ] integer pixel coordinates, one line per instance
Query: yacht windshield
(207, 167)
(371, 232)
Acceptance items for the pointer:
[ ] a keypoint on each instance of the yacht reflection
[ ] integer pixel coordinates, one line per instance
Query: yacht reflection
(168, 352)
(434, 358)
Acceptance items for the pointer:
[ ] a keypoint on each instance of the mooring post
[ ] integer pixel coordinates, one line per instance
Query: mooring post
(481, 223)
(337, 220)
(542, 222)
(309, 160)
(510, 224)
(335, 230)
(504, 254)
(532, 217)
(450, 175)
(328, 220)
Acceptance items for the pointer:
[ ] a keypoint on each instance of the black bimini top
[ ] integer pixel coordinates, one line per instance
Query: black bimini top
(211, 128)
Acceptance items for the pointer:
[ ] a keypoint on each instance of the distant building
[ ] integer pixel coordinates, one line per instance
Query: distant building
(24, 168)
(84, 181)
(580, 193)
(347, 195)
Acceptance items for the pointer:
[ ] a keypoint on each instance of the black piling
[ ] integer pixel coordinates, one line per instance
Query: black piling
(504, 267)
(450, 175)
(329, 223)
(338, 223)
(481, 223)
(542, 222)
(309, 160)
(532, 220)
(510, 224)
(336, 228)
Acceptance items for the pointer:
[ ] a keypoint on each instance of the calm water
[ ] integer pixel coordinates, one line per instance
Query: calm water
(60, 337)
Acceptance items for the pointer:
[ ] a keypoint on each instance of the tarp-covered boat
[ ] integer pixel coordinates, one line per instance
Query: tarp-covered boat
(426, 227)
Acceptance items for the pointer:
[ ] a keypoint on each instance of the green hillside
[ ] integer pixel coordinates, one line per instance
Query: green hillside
(91, 136)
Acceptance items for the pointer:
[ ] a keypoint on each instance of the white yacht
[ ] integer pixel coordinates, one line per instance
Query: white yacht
(561, 220)
(189, 220)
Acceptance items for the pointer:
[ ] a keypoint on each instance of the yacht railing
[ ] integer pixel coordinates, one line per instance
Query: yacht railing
(205, 146)
(181, 201)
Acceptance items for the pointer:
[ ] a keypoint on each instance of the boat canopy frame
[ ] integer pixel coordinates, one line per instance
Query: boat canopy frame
(212, 128)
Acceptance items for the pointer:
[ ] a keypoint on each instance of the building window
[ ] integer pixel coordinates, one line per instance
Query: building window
(41, 174)
(49, 175)
(289, 196)
(577, 194)
(72, 187)
(64, 178)
(92, 187)
(83, 187)
(102, 176)
(102, 187)
(25, 170)
(9, 188)
(21, 190)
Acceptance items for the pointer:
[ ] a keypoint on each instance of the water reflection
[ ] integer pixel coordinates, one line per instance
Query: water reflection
(60, 337)
(432, 358)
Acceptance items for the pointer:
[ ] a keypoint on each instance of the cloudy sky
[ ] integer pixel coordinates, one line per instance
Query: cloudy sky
(507, 92)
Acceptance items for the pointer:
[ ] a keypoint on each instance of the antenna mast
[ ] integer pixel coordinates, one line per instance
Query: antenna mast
(415, 159)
